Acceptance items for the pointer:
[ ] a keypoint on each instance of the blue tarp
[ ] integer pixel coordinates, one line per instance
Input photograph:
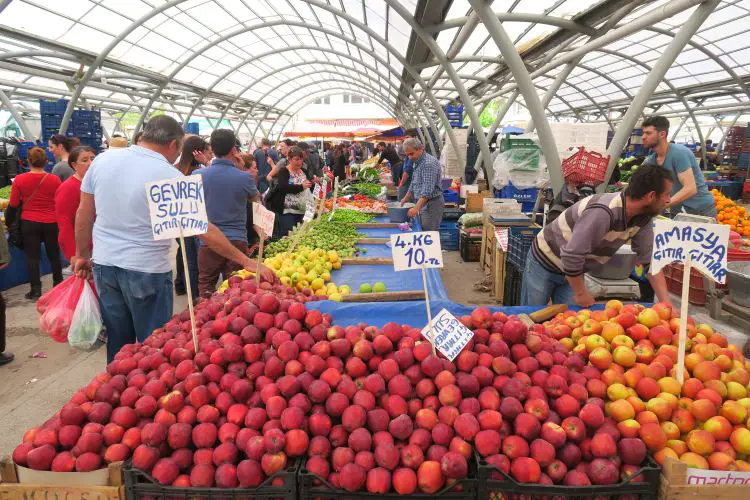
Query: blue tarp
(394, 281)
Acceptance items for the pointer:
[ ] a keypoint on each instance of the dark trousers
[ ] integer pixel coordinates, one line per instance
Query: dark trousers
(2, 323)
(34, 234)
(133, 304)
(287, 223)
(211, 265)
(191, 251)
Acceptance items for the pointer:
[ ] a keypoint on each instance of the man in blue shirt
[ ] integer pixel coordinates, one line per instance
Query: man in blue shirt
(689, 191)
(425, 187)
(227, 190)
(264, 167)
(132, 271)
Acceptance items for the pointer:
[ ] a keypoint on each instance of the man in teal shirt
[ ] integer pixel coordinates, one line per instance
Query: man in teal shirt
(689, 191)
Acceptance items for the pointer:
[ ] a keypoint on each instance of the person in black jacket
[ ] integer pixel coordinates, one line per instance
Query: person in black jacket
(288, 198)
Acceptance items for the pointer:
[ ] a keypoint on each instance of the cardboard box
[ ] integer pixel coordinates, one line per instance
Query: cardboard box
(21, 483)
(494, 206)
(475, 201)
(468, 188)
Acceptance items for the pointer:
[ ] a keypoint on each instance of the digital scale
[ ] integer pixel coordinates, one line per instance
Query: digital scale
(612, 289)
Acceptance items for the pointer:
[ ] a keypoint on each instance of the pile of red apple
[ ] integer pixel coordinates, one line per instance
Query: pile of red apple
(368, 409)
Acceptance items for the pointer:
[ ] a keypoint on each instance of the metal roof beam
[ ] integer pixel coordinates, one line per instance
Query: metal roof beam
(520, 17)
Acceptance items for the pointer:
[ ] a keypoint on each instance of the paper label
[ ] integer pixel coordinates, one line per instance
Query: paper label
(415, 250)
(174, 203)
(263, 218)
(501, 235)
(705, 244)
(451, 336)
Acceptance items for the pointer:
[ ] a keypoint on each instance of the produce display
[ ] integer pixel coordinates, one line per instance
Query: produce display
(308, 268)
(633, 349)
(731, 214)
(350, 216)
(369, 189)
(5, 192)
(368, 174)
(360, 203)
(321, 234)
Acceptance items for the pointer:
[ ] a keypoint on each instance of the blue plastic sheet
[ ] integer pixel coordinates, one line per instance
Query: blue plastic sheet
(402, 281)
(17, 273)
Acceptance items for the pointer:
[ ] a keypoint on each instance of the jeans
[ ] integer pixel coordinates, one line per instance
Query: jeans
(34, 234)
(133, 304)
(191, 251)
(540, 285)
(211, 265)
(287, 223)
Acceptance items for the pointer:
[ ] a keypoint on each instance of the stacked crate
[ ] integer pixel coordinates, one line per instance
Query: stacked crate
(192, 128)
(734, 145)
(51, 117)
(87, 126)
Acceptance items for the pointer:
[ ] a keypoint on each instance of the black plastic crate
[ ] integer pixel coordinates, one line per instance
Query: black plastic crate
(470, 247)
(509, 489)
(512, 285)
(519, 244)
(313, 487)
(139, 485)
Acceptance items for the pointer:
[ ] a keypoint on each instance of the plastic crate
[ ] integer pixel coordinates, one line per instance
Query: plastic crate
(448, 235)
(313, 487)
(505, 487)
(192, 128)
(512, 286)
(23, 149)
(139, 485)
(470, 248)
(450, 196)
(57, 107)
(519, 244)
(585, 167)
(527, 197)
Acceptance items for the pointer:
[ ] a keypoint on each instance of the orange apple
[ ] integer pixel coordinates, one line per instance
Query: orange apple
(624, 356)
(663, 310)
(694, 460)
(648, 317)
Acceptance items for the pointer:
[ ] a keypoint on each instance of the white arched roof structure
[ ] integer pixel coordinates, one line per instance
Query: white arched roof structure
(255, 63)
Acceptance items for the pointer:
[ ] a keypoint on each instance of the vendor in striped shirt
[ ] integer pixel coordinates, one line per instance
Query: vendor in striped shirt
(590, 232)
(425, 187)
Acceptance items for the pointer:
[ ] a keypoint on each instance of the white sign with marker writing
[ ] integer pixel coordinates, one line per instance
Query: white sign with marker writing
(416, 250)
(263, 218)
(450, 335)
(317, 192)
(705, 245)
(309, 211)
(177, 203)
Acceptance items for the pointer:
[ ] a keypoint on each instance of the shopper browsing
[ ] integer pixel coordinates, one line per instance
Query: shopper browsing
(34, 194)
(289, 198)
(425, 188)
(590, 232)
(132, 271)
(227, 190)
(67, 198)
(60, 146)
(262, 156)
(689, 191)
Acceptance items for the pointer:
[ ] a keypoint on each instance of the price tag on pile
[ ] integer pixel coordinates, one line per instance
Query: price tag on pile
(416, 250)
(177, 207)
(317, 192)
(263, 218)
(309, 211)
(450, 335)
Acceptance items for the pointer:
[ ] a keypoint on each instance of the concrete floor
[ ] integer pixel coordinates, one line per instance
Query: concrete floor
(32, 388)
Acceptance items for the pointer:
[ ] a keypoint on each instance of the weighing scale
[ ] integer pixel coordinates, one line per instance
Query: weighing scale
(612, 289)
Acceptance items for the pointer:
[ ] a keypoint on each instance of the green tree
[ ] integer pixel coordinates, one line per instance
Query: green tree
(487, 118)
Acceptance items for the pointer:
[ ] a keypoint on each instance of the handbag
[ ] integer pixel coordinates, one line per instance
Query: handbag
(13, 218)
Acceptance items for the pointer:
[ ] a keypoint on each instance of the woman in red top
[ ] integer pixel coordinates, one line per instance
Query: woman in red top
(68, 197)
(35, 191)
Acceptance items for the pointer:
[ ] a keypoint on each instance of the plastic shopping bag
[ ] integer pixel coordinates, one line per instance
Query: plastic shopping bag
(87, 320)
(57, 307)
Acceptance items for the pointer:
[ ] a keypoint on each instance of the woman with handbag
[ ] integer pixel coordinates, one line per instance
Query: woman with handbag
(32, 207)
(288, 199)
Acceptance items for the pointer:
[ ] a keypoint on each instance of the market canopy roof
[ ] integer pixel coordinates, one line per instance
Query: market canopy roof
(257, 63)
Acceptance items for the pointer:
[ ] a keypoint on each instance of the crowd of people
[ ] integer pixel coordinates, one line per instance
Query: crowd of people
(87, 212)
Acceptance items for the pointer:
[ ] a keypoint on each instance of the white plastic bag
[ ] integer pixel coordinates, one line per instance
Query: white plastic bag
(87, 320)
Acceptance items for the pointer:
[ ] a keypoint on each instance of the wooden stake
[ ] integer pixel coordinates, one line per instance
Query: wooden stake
(260, 256)
(429, 313)
(299, 234)
(335, 195)
(683, 321)
(189, 289)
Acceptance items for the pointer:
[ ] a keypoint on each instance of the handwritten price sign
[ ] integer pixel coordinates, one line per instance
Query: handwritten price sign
(450, 335)
(416, 250)
(317, 192)
(263, 218)
(174, 203)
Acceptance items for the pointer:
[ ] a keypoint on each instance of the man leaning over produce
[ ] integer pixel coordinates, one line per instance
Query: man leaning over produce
(590, 232)
(132, 271)
(425, 187)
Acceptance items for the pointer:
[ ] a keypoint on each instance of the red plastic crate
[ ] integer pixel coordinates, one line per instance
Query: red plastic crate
(585, 167)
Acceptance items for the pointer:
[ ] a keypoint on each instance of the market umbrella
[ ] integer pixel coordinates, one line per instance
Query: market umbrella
(512, 130)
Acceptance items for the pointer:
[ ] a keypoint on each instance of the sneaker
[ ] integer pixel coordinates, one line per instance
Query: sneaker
(33, 295)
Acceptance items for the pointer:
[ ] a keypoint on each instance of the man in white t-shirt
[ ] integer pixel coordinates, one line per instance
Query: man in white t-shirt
(132, 271)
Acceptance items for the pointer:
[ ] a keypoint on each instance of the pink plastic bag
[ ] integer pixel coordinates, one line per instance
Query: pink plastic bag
(57, 307)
